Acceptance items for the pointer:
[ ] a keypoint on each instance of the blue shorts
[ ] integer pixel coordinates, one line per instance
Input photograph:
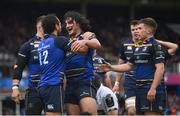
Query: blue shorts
(144, 105)
(33, 104)
(129, 92)
(78, 89)
(52, 97)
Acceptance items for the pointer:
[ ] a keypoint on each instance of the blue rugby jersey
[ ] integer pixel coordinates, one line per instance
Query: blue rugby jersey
(145, 57)
(126, 53)
(52, 52)
(29, 56)
(79, 67)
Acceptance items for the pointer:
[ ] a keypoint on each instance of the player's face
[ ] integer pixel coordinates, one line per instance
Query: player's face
(39, 27)
(134, 31)
(71, 26)
(142, 31)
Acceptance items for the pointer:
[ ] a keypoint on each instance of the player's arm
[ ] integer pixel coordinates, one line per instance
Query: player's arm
(159, 72)
(118, 78)
(172, 47)
(88, 39)
(62, 42)
(117, 68)
(107, 80)
(91, 41)
(18, 69)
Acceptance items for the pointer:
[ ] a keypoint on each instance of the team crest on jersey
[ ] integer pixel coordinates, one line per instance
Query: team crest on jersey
(136, 49)
(129, 48)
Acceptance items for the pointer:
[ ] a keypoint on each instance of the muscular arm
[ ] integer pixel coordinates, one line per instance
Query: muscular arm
(158, 75)
(21, 62)
(118, 78)
(66, 44)
(18, 69)
(117, 68)
(172, 47)
(91, 41)
(88, 40)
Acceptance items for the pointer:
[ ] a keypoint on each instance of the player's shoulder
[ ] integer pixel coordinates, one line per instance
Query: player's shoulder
(61, 37)
(128, 42)
(153, 41)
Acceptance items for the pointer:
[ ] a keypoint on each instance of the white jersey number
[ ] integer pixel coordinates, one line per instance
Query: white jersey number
(45, 55)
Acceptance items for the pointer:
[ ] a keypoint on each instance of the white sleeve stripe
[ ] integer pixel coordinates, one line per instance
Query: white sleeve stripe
(21, 55)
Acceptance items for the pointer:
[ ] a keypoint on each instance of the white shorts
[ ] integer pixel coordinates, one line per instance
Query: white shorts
(130, 102)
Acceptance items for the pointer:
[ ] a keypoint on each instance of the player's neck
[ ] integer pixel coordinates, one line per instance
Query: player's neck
(148, 37)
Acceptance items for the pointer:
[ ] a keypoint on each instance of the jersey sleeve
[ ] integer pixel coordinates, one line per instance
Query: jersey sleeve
(22, 59)
(159, 54)
(63, 43)
(121, 53)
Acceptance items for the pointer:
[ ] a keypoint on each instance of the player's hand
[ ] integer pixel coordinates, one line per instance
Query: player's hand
(105, 67)
(87, 35)
(151, 95)
(115, 89)
(77, 45)
(16, 95)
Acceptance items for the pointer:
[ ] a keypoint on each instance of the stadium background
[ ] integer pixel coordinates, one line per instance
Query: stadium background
(109, 20)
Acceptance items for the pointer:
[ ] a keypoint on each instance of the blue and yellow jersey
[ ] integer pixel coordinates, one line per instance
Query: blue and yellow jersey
(145, 57)
(52, 52)
(126, 53)
(28, 55)
(78, 66)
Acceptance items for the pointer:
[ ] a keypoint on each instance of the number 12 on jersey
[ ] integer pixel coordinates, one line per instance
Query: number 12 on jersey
(43, 57)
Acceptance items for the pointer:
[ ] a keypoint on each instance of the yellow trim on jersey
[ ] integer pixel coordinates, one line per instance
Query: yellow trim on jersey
(35, 75)
(73, 75)
(143, 84)
(130, 75)
(144, 80)
(37, 42)
(143, 45)
(35, 80)
(75, 69)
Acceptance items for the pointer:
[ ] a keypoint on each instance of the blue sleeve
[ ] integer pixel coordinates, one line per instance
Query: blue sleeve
(64, 43)
(121, 53)
(159, 53)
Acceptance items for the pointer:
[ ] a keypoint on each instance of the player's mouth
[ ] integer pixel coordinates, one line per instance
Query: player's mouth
(70, 31)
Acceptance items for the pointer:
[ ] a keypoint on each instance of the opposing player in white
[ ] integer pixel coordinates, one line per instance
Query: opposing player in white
(107, 101)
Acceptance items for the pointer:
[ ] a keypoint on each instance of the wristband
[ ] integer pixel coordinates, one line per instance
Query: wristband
(15, 86)
(116, 83)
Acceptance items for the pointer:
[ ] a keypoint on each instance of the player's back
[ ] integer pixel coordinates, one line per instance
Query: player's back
(51, 61)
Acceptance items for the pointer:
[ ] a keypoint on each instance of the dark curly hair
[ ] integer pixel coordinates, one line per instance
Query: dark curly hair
(78, 18)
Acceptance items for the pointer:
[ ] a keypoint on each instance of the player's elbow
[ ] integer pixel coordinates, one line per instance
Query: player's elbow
(173, 50)
(98, 45)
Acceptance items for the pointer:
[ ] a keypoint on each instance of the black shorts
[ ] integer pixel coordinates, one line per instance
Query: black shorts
(144, 105)
(52, 97)
(33, 103)
(78, 89)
